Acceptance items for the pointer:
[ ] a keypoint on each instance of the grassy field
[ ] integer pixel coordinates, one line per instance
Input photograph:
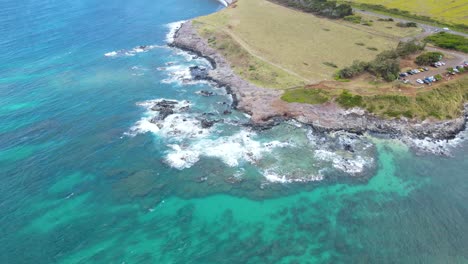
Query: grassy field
(273, 46)
(443, 102)
(452, 11)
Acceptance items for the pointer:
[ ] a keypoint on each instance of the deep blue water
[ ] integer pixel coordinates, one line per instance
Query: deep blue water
(86, 178)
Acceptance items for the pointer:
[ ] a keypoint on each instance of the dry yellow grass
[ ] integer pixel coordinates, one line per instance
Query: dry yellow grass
(294, 42)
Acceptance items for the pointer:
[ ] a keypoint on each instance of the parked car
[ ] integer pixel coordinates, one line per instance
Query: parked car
(403, 74)
(419, 81)
(426, 68)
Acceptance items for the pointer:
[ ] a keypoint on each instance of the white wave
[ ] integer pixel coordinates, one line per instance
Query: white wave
(132, 52)
(231, 150)
(439, 147)
(173, 27)
(276, 178)
(178, 74)
(111, 54)
(178, 125)
(225, 3)
(351, 165)
(181, 159)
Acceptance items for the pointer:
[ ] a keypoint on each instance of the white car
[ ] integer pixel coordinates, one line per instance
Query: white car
(419, 81)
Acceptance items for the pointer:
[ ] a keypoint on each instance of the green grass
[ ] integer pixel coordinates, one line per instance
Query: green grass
(444, 102)
(449, 41)
(448, 11)
(306, 96)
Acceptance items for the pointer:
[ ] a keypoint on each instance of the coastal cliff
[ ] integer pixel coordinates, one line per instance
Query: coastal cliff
(266, 107)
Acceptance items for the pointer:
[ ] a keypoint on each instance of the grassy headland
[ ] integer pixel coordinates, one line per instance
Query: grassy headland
(274, 46)
(292, 42)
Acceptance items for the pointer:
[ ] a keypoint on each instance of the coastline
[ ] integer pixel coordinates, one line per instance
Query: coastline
(266, 108)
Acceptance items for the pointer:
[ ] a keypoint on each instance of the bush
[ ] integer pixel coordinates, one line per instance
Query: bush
(386, 19)
(330, 64)
(428, 58)
(330, 9)
(353, 18)
(367, 23)
(347, 100)
(357, 68)
(409, 47)
(438, 77)
(449, 41)
(385, 65)
(406, 24)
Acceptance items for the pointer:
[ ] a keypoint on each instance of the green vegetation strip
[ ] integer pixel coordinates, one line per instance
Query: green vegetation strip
(444, 102)
(449, 41)
(306, 96)
(386, 65)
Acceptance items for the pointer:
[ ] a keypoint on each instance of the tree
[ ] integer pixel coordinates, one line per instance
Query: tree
(428, 58)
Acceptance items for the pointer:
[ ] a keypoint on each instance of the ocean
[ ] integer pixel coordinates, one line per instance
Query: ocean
(91, 172)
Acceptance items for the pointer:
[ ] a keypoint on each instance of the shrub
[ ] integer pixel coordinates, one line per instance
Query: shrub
(438, 77)
(372, 48)
(409, 47)
(406, 24)
(353, 18)
(360, 44)
(386, 19)
(355, 69)
(449, 41)
(428, 58)
(330, 64)
(367, 23)
(330, 9)
(347, 100)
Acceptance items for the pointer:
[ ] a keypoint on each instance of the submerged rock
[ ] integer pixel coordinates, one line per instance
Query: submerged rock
(207, 123)
(205, 93)
(198, 72)
(165, 113)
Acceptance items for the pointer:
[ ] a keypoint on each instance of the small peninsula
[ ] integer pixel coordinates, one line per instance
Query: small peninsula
(333, 67)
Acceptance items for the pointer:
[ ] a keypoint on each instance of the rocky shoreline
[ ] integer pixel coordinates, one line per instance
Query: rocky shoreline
(266, 108)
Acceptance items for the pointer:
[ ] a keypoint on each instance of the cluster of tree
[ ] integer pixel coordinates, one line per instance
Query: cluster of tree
(449, 41)
(330, 9)
(386, 65)
(428, 58)
(406, 24)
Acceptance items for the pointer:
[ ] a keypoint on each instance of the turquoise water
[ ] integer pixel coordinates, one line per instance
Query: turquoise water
(86, 178)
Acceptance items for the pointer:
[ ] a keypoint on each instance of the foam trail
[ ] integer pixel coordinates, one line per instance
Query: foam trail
(173, 27)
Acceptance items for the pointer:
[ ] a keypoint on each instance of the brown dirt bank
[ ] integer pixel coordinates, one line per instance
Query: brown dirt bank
(265, 105)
